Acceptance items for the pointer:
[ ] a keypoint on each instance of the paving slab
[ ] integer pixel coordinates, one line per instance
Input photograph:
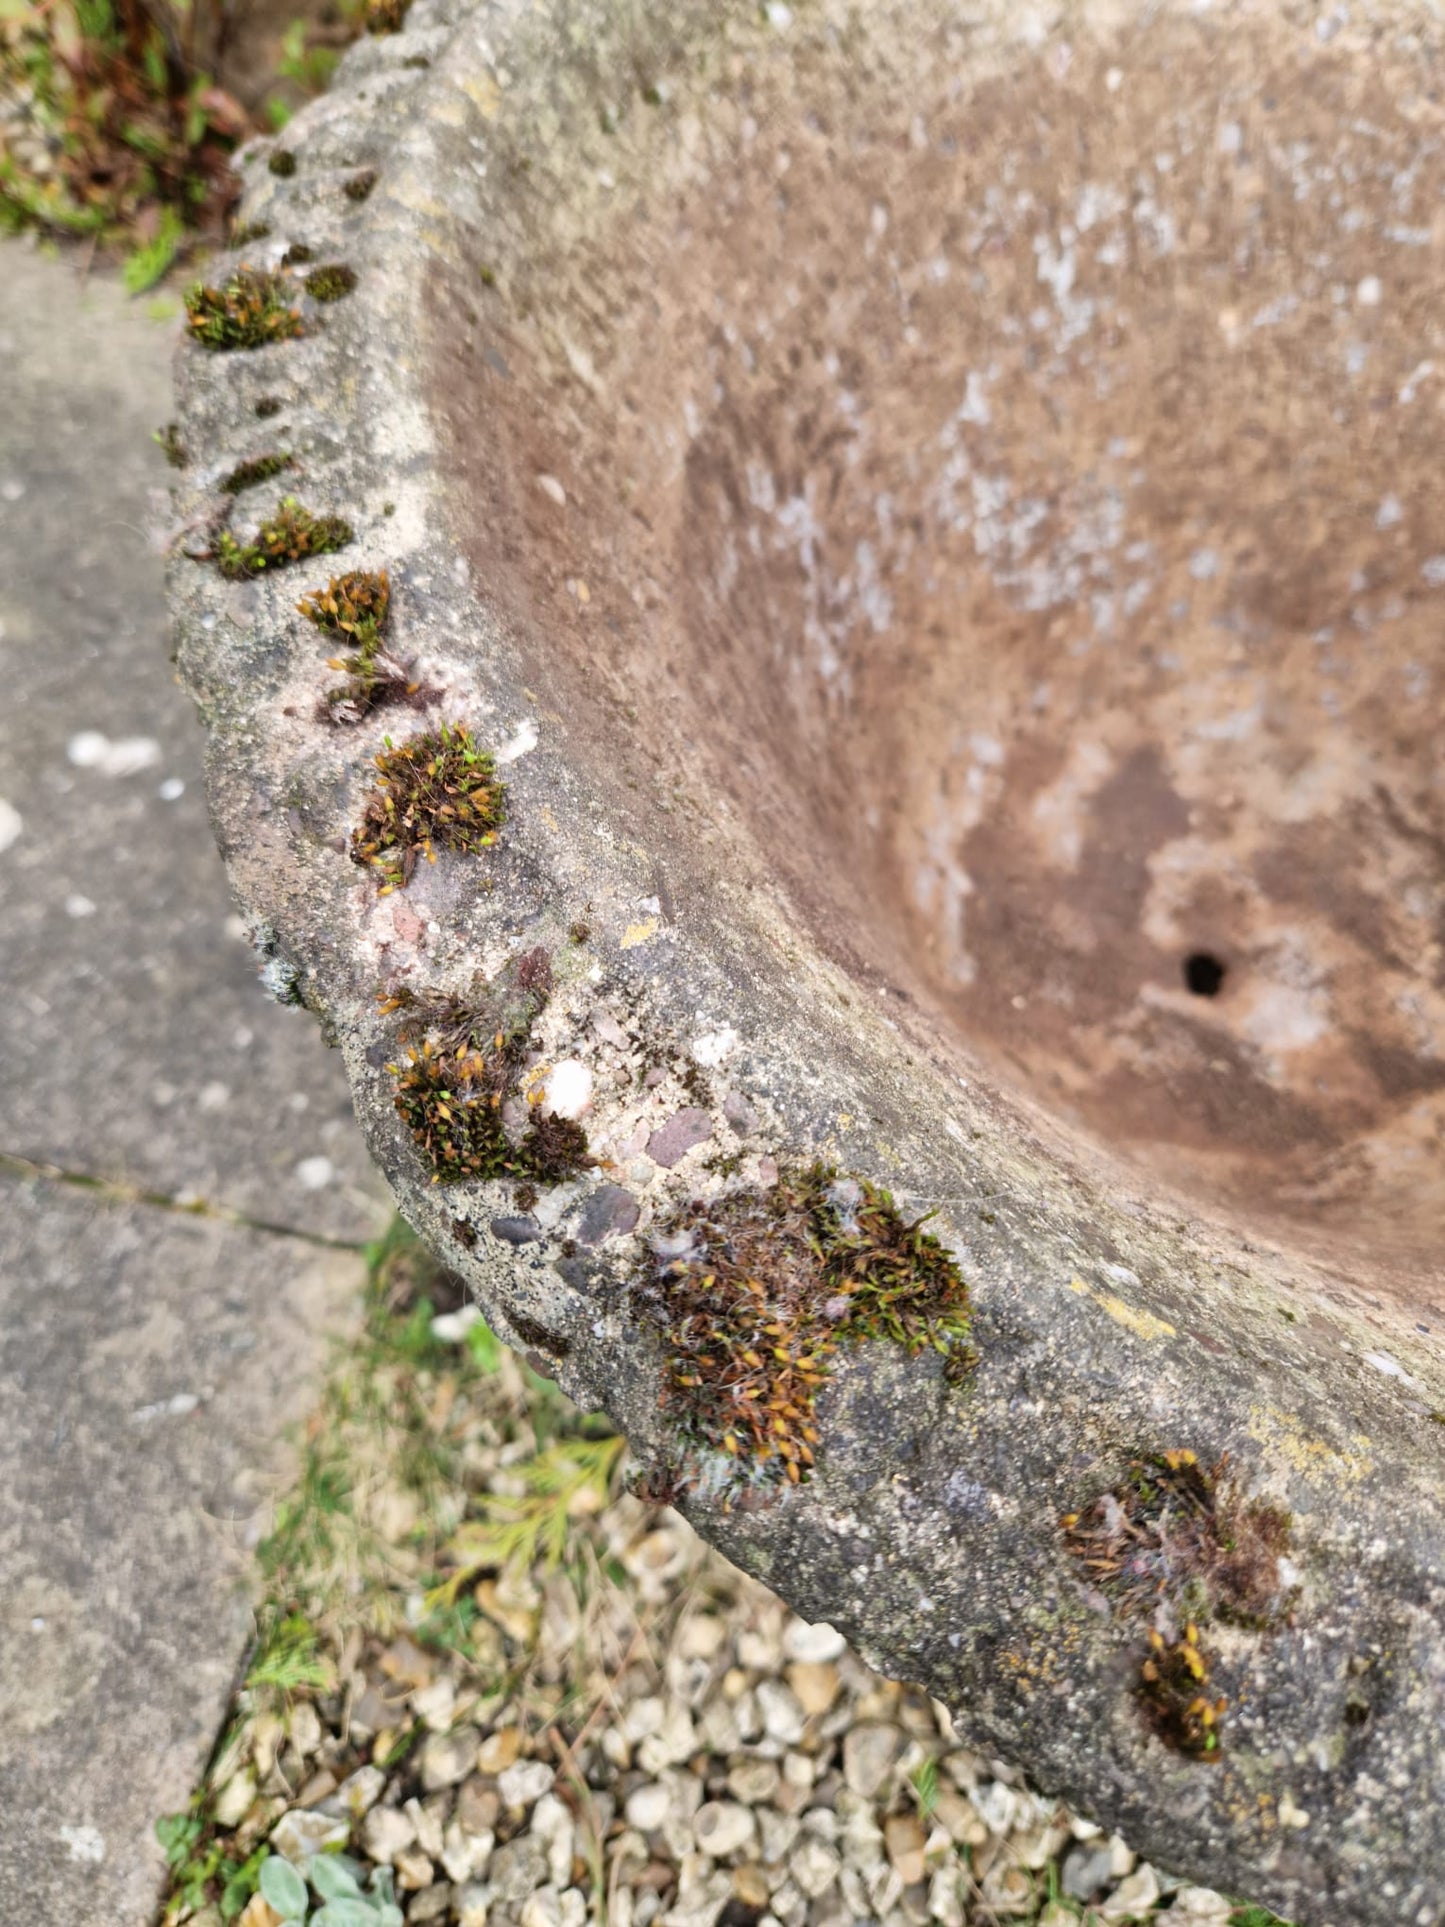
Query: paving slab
(135, 1038)
(150, 1362)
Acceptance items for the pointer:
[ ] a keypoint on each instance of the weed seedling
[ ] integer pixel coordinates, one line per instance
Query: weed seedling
(250, 309)
(437, 788)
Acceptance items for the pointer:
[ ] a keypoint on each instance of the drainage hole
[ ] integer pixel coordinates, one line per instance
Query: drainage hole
(1203, 974)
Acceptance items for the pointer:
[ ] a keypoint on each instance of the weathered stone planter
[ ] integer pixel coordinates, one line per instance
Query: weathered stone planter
(935, 509)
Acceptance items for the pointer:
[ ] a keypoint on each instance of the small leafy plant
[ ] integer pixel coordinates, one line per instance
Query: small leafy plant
(250, 309)
(290, 535)
(335, 1880)
(436, 789)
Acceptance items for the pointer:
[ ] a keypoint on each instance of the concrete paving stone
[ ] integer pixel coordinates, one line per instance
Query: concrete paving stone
(134, 1036)
(149, 1365)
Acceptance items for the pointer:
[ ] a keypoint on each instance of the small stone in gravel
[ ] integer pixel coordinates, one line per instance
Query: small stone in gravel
(447, 1758)
(386, 1832)
(750, 1884)
(1138, 1894)
(721, 1827)
(673, 1140)
(647, 1807)
(471, 1905)
(465, 1855)
(428, 1828)
(304, 1728)
(234, 1799)
(869, 1753)
(299, 1834)
(815, 1645)
(525, 1782)
(431, 1904)
(814, 1866)
(753, 1781)
(1086, 1871)
(552, 1826)
(783, 1718)
(1007, 1889)
(904, 1840)
(360, 1793)
(816, 1685)
(413, 1870)
(434, 1705)
(517, 1869)
(499, 1749)
(477, 1807)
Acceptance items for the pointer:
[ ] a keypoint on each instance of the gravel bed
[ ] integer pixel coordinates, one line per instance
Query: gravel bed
(635, 1733)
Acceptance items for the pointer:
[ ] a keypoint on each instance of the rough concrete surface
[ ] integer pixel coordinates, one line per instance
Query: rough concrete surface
(559, 441)
(150, 1361)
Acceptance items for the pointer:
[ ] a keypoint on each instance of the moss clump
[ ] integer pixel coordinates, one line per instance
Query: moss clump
(356, 605)
(298, 255)
(386, 16)
(243, 233)
(172, 447)
(261, 468)
(250, 309)
(268, 406)
(360, 185)
(757, 1291)
(290, 535)
(1177, 1544)
(331, 283)
(436, 788)
(465, 1060)
(282, 163)
(1174, 1689)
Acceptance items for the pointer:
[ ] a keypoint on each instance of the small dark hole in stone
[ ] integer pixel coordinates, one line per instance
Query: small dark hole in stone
(1203, 974)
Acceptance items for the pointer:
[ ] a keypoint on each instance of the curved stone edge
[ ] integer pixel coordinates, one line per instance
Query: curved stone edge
(930, 1532)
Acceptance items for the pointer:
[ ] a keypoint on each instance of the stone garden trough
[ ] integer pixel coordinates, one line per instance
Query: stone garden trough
(935, 511)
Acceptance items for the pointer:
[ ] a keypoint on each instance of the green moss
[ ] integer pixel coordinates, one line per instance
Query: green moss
(756, 1292)
(464, 1061)
(243, 233)
(331, 282)
(360, 185)
(356, 606)
(386, 16)
(437, 788)
(261, 468)
(169, 439)
(290, 535)
(268, 406)
(298, 255)
(282, 163)
(1177, 1538)
(250, 309)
